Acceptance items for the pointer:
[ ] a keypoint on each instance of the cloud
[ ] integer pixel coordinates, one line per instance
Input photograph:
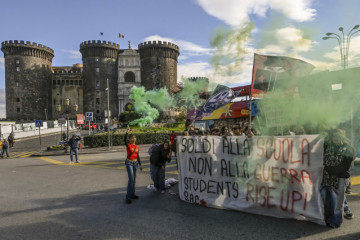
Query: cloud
(74, 54)
(286, 41)
(236, 12)
(203, 69)
(2, 63)
(186, 48)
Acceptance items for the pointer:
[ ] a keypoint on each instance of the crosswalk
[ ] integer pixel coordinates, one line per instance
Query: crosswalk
(23, 154)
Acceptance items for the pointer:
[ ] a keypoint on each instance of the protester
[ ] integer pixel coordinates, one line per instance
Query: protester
(11, 139)
(338, 156)
(172, 137)
(215, 132)
(5, 148)
(158, 158)
(150, 151)
(237, 130)
(74, 148)
(225, 132)
(132, 163)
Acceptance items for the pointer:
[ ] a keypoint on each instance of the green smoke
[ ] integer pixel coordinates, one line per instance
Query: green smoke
(189, 96)
(146, 101)
(323, 101)
(230, 45)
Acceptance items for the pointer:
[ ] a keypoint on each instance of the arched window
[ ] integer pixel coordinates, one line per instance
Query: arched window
(129, 77)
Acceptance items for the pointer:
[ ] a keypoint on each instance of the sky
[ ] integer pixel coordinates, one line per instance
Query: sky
(280, 27)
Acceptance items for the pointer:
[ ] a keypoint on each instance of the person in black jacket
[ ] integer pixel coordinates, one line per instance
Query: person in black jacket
(73, 144)
(158, 158)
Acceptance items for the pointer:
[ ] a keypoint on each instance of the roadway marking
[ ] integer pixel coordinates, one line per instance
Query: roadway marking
(52, 161)
(355, 181)
(21, 154)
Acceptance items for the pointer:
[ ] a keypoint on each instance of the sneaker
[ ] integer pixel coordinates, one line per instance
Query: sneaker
(135, 197)
(128, 201)
(77, 161)
(163, 191)
(71, 162)
(348, 215)
(348, 190)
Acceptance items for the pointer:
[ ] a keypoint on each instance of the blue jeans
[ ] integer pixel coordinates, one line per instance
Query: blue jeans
(334, 203)
(5, 150)
(72, 151)
(131, 168)
(152, 171)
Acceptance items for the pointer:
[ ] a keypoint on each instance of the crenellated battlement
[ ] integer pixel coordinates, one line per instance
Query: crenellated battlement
(97, 43)
(97, 48)
(21, 43)
(27, 48)
(161, 44)
(194, 79)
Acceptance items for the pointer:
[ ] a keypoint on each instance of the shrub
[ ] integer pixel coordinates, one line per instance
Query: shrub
(101, 140)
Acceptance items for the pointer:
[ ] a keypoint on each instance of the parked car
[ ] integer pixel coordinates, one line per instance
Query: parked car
(92, 126)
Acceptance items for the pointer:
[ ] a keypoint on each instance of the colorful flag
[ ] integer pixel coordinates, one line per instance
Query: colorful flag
(221, 96)
(101, 33)
(277, 73)
(121, 36)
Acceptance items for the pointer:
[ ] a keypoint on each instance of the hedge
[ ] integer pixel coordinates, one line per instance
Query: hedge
(101, 140)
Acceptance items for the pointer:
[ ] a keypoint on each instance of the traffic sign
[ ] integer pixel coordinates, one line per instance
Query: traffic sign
(89, 116)
(38, 123)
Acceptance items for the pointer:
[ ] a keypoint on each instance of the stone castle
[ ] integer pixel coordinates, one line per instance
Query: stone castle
(35, 89)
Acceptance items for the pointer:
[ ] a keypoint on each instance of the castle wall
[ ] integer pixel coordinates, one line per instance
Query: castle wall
(67, 82)
(28, 80)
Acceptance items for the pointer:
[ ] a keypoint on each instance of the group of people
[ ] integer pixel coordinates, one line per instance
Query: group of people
(339, 154)
(237, 130)
(160, 154)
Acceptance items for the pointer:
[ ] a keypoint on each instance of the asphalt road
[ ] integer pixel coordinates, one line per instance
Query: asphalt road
(46, 198)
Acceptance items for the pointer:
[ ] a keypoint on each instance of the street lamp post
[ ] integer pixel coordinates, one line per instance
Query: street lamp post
(344, 45)
(344, 42)
(108, 111)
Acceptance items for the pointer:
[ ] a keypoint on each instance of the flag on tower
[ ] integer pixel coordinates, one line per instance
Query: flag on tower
(121, 36)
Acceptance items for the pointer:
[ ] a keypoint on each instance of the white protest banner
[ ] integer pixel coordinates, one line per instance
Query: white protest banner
(274, 176)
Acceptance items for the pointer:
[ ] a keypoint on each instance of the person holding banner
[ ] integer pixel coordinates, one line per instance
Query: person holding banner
(132, 163)
(338, 156)
(160, 155)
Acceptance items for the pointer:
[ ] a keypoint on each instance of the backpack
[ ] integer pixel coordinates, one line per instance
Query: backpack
(152, 147)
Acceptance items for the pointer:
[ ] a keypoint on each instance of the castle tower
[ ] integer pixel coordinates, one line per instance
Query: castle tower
(158, 65)
(99, 64)
(27, 80)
